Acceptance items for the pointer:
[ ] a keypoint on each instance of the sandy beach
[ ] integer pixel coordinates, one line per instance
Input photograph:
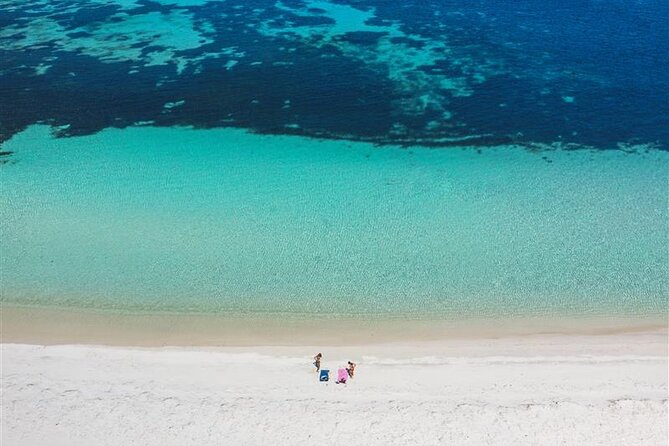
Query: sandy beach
(559, 389)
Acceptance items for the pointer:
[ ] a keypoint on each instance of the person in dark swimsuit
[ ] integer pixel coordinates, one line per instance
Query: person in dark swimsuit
(317, 362)
(351, 368)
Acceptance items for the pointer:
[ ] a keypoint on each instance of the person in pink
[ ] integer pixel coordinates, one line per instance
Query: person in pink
(342, 376)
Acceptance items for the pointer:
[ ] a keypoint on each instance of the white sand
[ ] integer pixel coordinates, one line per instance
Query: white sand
(566, 390)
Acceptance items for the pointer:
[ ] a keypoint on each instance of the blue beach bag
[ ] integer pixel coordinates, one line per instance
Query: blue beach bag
(324, 376)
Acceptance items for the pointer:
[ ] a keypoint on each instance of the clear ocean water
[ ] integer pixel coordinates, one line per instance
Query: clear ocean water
(360, 158)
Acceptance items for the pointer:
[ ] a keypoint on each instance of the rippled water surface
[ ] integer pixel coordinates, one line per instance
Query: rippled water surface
(224, 220)
(335, 157)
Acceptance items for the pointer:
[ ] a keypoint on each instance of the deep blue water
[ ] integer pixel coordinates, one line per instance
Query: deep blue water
(585, 72)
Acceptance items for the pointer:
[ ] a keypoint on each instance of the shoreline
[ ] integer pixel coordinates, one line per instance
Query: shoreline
(532, 390)
(152, 382)
(53, 326)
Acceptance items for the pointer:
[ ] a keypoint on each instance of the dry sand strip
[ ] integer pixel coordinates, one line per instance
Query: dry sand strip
(567, 390)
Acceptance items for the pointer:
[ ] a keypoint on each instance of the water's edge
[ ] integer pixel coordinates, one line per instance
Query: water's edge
(35, 325)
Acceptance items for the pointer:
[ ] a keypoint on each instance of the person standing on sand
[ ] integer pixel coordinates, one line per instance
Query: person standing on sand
(317, 362)
(351, 368)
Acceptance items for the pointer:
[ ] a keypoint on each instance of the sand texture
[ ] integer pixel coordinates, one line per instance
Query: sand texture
(609, 390)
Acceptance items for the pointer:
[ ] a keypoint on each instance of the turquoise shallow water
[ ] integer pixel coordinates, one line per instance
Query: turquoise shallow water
(175, 219)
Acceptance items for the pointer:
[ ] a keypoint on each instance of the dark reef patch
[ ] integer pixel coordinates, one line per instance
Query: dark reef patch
(520, 74)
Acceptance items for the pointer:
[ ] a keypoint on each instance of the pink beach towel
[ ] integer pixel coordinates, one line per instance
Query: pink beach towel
(342, 376)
